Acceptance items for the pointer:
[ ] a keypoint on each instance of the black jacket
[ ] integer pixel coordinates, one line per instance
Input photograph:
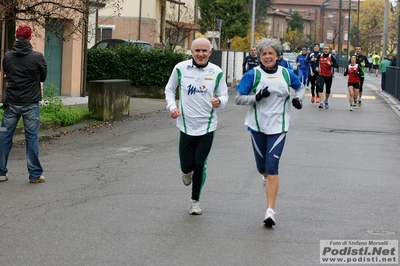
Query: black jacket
(24, 70)
(250, 62)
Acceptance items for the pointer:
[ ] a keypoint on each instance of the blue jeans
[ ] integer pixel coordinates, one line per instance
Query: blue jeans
(31, 117)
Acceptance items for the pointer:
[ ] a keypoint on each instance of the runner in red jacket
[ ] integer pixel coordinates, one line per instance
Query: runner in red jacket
(355, 72)
(325, 65)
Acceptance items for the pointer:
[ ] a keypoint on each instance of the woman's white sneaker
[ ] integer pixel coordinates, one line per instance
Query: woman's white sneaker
(269, 219)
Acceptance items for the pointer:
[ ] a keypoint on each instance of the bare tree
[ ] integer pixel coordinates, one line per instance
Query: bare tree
(334, 27)
(179, 25)
(52, 15)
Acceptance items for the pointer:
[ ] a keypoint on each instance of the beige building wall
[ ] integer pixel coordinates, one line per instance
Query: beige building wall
(153, 16)
(277, 26)
(72, 67)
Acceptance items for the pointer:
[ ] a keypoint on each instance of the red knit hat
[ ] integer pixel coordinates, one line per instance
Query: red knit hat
(24, 32)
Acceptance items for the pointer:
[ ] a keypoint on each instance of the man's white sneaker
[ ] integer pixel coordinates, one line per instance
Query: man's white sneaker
(269, 219)
(187, 178)
(195, 208)
(4, 178)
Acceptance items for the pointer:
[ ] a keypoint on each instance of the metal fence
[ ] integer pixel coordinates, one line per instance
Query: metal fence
(343, 63)
(231, 64)
(392, 81)
(392, 78)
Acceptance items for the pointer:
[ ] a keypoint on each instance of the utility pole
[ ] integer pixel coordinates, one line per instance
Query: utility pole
(252, 24)
(348, 30)
(219, 23)
(358, 22)
(340, 30)
(385, 28)
(140, 19)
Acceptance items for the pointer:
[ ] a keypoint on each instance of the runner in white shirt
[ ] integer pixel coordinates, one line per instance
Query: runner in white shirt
(266, 89)
(202, 90)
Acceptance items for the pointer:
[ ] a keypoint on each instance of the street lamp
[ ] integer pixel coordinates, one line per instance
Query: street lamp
(340, 31)
(322, 17)
(358, 22)
(253, 23)
(219, 23)
(315, 12)
(89, 6)
(348, 28)
(140, 19)
(315, 26)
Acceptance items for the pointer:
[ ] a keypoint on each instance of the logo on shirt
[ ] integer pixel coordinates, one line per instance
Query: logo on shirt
(193, 89)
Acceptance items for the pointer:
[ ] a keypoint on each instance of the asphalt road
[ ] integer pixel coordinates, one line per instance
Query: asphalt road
(114, 195)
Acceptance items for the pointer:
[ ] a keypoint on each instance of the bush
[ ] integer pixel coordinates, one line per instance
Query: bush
(129, 61)
(53, 110)
(103, 64)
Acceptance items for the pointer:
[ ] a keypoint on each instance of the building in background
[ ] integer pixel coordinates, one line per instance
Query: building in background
(163, 23)
(321, 20)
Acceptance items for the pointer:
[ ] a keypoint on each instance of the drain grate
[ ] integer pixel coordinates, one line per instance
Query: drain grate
(352, 131)
(380, 232)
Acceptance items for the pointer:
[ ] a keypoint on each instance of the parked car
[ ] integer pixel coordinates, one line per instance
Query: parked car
(112, 43)
(292, 60)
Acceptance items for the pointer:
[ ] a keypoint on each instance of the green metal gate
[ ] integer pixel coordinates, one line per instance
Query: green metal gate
(53, 55)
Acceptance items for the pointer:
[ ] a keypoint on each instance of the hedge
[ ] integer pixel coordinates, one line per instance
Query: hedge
(129, 61)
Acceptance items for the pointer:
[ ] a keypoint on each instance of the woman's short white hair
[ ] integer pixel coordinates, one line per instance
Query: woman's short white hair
(269, 42)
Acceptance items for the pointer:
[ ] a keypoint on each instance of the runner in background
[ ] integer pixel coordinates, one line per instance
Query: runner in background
(354, 72)
(302, 66)
(363, 61)
(376, 60)
(312, 75)
(250, 61)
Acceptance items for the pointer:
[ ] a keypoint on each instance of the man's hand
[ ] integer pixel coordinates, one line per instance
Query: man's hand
(215, 102)
(297, 103)
(4, 106)
(175, 113)
(263, 93)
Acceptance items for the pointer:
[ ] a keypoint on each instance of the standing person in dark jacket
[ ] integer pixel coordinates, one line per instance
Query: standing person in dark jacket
(325, 64)
(312, 74)
(251, 60)
(24, 70)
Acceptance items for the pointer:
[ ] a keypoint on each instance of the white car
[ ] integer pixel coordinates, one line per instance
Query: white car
(292, 60)
(112, 43)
